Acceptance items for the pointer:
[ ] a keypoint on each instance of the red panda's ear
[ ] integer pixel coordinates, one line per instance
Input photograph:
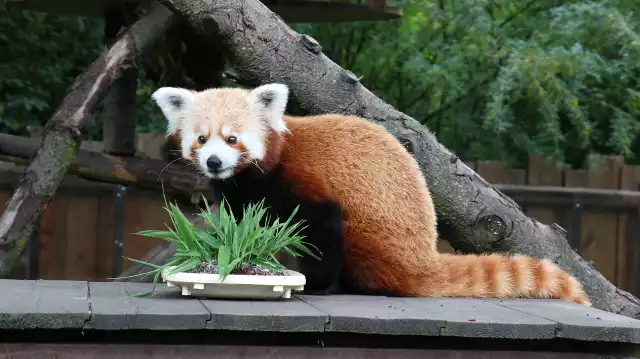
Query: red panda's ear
(174, 102)
(272, 100)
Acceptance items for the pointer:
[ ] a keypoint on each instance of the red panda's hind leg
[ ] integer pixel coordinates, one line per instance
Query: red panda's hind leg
(323, 236)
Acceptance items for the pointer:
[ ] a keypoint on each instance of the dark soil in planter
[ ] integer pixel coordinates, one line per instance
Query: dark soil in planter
(244, 269)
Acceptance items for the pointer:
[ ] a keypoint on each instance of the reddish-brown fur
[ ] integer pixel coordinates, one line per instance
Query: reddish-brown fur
(390, 222)
(389, 217)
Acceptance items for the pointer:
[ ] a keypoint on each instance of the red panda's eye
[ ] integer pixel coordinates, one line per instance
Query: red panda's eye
(232, 140)
(202, 139)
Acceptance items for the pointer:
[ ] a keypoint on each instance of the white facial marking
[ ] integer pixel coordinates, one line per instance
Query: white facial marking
(226, 130)
(228, 155)
(253, 143)
(188, 137)
(267, 105)
(175, 103)
(271, 101)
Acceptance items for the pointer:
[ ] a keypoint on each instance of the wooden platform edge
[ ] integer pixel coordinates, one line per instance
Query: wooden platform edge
(84, 307)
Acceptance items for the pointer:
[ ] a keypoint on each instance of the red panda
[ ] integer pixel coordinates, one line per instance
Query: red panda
(365, 204)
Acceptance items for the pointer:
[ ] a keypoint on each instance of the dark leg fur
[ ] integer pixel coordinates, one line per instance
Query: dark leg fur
(323, 222)
(324, 234)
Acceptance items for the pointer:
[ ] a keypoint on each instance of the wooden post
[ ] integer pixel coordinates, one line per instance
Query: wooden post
(119, 121)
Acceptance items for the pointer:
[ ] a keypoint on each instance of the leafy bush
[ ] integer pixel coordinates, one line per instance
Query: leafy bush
(226, 241)
(494, 80)
(41, 56)
(500, 80)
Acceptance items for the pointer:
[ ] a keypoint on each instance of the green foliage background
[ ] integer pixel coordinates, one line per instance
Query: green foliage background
(502, 79)
(493, 79)
(40, 57)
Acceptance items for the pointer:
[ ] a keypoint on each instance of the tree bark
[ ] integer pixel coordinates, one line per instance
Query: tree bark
(61, 136)
(11, 255)
(148, 173)
(473, 215)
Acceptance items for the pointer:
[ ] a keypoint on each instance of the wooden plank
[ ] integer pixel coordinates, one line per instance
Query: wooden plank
(29, 304)
(105, 236)
(460, 317)
(630, 178)
(576, 178)
(577, 322)
(515, 176)
(33, 305)
(54, 246)
(46, 245)
(132, 219)
(82, 238)
(201, 351)
(4, 198)
(599, 237)
(627, 276)
(48, 250)
(492, 171)
(542, 172)
(113, 307)
(144, 210)
(614, 199)
(292, 315)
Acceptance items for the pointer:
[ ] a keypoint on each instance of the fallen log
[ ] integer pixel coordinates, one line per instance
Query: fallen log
(62, 132)
(473, 215)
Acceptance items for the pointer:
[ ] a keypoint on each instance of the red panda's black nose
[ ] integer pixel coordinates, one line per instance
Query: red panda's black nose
(214, 163)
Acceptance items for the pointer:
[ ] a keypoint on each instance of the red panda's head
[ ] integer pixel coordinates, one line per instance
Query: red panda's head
(223, 130)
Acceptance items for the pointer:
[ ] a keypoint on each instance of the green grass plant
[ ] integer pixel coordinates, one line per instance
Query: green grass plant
(228, 241)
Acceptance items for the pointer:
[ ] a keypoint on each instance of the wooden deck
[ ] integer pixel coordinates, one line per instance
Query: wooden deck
(102, 319)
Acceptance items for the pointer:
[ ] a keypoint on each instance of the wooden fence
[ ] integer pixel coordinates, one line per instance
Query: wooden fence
(81, 230)
(598, 207)
(89, 226)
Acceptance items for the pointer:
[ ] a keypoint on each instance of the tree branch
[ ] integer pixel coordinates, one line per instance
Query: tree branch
(61, 136)
(14, 250)
(136, 171)
(474, 216)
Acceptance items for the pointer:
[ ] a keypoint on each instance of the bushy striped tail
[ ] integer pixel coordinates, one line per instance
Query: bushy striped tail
(497, 276)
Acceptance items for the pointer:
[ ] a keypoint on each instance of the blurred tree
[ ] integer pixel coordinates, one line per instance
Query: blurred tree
(40, 56)
(493, 79)
(502, 79)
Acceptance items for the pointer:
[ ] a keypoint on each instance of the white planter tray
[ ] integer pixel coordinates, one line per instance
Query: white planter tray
(236, 286)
